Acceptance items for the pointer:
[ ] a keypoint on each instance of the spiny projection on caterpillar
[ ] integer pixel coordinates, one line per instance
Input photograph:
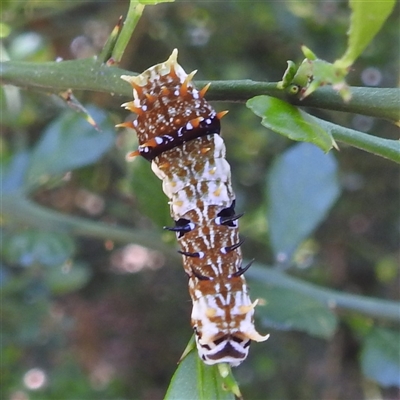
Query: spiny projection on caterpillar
(179, 132)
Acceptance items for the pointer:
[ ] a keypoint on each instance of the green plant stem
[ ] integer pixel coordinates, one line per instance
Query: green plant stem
(53, 77)
(386, 148)
(132, 18)
(90, 74)
(22, 211)
(107, 51)
(372, 307)
(18, 209)
(374, 102)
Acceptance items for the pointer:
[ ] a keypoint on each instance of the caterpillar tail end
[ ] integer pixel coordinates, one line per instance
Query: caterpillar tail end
(257, 337)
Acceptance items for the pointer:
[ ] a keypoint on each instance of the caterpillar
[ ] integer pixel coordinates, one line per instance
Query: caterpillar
(179, 132)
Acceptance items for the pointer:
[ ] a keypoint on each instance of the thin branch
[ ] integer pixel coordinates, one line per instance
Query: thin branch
(386, 148)
(89, 74)
(53, 77)
(370, 306)
(374, 102)
(24, 211)
(132, 18)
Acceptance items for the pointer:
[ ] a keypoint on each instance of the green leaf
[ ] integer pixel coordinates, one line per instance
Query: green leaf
(286, 309)
(69, 142)
(380, 359)
(196, 381)
(289, 121)
(288, 75)
(367, 18)
(12, 176)
(147, 189)
(67, 278)
(38, 247)
(302, 186)
(4, 276)
(315, 73)
(387, 268)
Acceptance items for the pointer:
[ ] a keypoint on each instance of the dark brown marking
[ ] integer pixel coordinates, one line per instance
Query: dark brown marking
(227, 351)
(180, 136)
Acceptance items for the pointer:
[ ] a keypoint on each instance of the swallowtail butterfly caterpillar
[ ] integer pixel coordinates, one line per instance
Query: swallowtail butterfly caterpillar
(178, 131)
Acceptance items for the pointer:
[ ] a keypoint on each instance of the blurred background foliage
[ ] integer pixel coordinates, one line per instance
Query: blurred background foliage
(87, 317)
